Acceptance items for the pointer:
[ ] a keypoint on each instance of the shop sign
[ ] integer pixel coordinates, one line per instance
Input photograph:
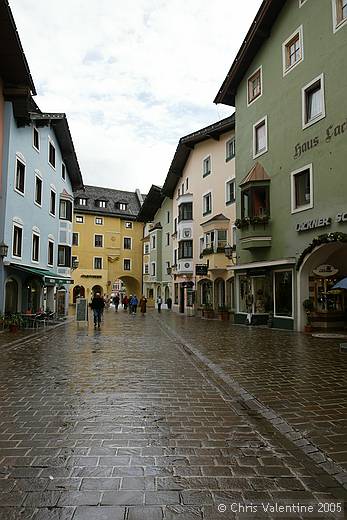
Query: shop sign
(201, 270)
(331, 132)
(325, 270)
(91, 276)
(321, 222)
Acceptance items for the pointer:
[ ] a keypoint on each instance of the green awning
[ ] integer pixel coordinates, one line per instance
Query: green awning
(49, 278)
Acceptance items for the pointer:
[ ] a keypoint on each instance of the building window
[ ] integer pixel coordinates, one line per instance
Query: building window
(121, 205)
(153, 239)
(20, 176)
(185, 249)
(129, 225)
(35, 249)
(168, 217)
(63, 171)
(99, 221)
(185, 212)
(187, 184)
(79, 219)
(51, 154)
(153, 269)
(339, 13)
(179, 192)
(254, 86)
(175, 257)
(302, 2)
(145, 268)
(175, 223)
(75, 239)
(127, 264)
(230, 192)
(230, 149)
(64, 256)
(52, 203)
(302, 189)
(167, 239)
(260, 137)
(182, 188)
(255, 202)
(146, 249)
(82, 201)
(127, 243)
(38, 191)
(292, 51)
(98, 240)
(101, 203)
(17, 241)
(97, 262)
(65, 210)
(313, 104)
(206, 166)
(50, 255)
(283, 293)
(207, 204)
(36, 139)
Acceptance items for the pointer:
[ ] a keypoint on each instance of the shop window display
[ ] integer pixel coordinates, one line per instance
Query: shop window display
(283, 294)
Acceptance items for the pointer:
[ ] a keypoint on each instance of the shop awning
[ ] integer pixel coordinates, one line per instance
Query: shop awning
(49, 278)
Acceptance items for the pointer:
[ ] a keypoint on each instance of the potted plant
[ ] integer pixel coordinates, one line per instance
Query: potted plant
(223, 312)
(308, 307)
(13, 322)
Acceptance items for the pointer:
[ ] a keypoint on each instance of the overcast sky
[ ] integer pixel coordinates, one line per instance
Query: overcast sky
(132, 76)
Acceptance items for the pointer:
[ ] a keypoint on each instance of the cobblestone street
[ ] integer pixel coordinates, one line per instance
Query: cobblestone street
(132, 423)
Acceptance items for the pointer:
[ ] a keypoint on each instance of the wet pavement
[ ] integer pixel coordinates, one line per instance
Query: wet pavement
(130, 423)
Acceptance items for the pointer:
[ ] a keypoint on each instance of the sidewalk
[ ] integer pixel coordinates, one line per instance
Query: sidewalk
(303, 379)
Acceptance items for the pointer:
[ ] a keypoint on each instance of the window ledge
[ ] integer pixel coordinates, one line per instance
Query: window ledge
(229, 202)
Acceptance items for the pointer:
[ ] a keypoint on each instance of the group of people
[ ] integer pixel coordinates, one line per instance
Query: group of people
(130, 303)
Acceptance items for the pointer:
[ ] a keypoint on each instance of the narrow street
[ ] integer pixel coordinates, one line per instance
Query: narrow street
(132, 423)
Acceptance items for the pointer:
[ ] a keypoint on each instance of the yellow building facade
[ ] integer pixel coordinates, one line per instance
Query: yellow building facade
(107, 243)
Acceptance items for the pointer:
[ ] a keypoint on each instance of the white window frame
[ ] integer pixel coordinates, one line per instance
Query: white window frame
(98, 247)
(128, 225)
(63, 169)
(303, 102)
(98, 223)
(38, 176)
(50, 200)
(84, 201)
(292, 189)
(146, 265)
(228, 141)
(227, 182)
(209, 156)
(78, 239)
(260, 69)
(255, 126)
(153, 248)
(146, 248)
(302, 2)
(102, 204)
(130, 266)
(38, 133)
(300, 32)
(274, 293)
(204, 195)
(167, 239)
(131, 243)
(36, 234)
(50, 241)
(50, 141)
(20, 158)
(337, 25)
(102, 263)
(79, 216)
(19, 226)
(155, 268)
(122, 206)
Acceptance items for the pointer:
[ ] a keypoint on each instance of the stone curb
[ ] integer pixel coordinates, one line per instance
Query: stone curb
(277, 421)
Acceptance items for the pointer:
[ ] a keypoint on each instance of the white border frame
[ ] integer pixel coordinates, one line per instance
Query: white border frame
(103, 240)
(204, 175)
(274, 293)
(50, 141)
(299, 31)
(37, 175)
(130, 269)
(263, 119)
(63, 167)
(249, 103)
(227, 182)
(52, 189)
(79, 216)
(95, 222)
(227, 159)
(337, 26)
(292, 189)
(303, 102)
(21, 159)
(131, 244)
(50, 241)
(37, 149)
(20, 226)
(36, 234)
(151, 248)
(78, 238)
(102, 263)
(155, 269)
(128, 222)
(209, 192)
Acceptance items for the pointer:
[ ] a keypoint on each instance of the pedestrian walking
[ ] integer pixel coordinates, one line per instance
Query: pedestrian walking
(169, 303)
(116, 302)
(97, 305)
(125, 302)
(130, 304)
(159, 303)
(133, 304)
(143, 305)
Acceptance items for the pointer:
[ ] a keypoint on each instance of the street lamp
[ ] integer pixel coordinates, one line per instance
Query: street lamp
(3, 249)
(229, 252)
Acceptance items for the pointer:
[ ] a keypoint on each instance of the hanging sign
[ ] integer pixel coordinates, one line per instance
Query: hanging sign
(325, 270)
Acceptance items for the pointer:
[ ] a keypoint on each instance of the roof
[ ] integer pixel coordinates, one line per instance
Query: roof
(185, 146)
(259, 31)
(151, 204)
(219, 217)
(256, 174)
(14, 68)
(112, 196)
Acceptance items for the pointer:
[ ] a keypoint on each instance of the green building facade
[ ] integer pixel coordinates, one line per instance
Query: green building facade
(288, 84)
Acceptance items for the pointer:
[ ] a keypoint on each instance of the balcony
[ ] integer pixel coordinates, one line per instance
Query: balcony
(255, 232)
(215, 257)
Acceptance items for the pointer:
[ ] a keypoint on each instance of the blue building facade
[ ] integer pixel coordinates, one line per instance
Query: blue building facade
(40, 172)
